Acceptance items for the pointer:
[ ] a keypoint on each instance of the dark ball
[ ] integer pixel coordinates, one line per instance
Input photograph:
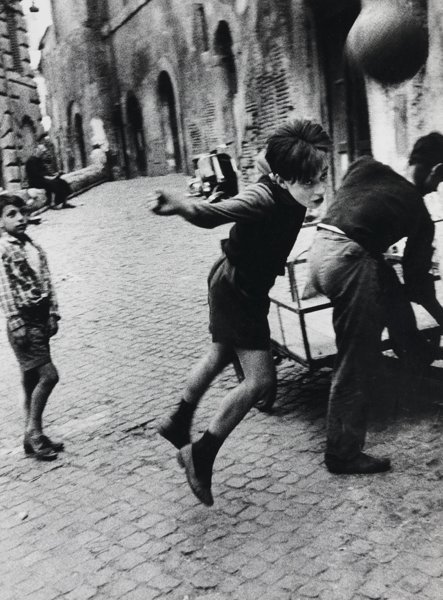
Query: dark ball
(387, 42)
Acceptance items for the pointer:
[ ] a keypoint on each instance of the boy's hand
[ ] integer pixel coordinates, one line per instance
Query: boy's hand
(52, 326)
(164, 204)
(19, 335)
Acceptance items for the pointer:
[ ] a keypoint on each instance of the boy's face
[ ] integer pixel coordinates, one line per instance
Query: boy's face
(14, 220)
(308, 194)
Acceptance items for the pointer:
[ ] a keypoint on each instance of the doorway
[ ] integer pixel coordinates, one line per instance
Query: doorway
(169, 123)
(226, 80)
(136, 133)
(346, 100)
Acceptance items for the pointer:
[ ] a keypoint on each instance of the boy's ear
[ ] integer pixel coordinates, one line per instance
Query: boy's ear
(279, 179)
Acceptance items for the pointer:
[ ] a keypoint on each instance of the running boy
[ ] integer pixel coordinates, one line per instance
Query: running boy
(28, 301)
(268, 216)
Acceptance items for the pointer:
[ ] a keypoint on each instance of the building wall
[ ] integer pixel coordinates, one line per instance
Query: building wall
(170, 84)
(20, 126)
(76, 66)
(400, 114)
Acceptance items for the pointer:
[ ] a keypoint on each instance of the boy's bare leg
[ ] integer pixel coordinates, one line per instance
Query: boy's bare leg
(258, 385)
(38, 384)
(47, 380)
(205, 371)
(176, 428)
(30, 380)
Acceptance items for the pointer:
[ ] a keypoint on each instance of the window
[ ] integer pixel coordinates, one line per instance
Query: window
(11, 23)
(201, 38)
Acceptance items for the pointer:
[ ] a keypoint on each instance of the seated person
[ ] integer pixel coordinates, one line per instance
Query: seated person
(57, 189)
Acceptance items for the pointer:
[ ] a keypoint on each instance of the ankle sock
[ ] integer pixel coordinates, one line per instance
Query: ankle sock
(204, 452)
(183, 414)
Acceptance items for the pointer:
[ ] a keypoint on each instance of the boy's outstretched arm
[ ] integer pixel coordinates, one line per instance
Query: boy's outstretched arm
(252, 204)
(166, 204)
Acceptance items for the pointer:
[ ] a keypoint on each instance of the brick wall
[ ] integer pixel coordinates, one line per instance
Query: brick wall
(275, 70)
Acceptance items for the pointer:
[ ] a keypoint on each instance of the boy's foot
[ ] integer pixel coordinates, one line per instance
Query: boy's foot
(362, 464)
(200, 486)
(174, 433)
(67, 205)
(39, 446)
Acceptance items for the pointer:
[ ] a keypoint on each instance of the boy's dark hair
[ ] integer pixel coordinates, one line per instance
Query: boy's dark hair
(296, 150)
(425, 155)
(10, 199)
(427, 150)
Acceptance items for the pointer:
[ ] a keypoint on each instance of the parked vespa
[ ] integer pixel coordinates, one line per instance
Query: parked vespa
(216, 175)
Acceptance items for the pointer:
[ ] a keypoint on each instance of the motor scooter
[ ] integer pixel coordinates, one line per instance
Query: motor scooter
(216, 175)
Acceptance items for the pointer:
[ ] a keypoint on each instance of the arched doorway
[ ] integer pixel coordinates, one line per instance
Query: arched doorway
(346, 97)
(226, 80)
(76, 139)
(169, 123)
(28, 136)
(134, 119)
(80, 150)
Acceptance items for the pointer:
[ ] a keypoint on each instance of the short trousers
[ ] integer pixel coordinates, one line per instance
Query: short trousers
(236, 318)
(36, 351)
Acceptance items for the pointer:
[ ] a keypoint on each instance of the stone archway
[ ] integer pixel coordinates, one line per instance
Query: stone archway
(134, 118)
(169, 123)
(225, 81)
(29, 136)
(79, 139)
(76, 138)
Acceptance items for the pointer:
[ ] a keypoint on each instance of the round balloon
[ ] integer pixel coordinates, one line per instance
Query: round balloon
(387, 42)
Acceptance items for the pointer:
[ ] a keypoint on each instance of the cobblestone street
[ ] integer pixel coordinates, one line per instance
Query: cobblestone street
(113, 517)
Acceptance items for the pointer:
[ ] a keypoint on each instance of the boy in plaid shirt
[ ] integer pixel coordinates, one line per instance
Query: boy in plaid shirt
(30, 306)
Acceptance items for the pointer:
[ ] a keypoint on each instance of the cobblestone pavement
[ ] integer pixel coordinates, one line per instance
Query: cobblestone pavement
(113, 517)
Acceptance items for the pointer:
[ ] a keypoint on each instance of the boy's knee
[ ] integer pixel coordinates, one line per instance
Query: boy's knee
(50, 374)
(262, 386)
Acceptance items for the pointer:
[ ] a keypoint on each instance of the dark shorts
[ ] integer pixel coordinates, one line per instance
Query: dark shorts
(236, 318)
(35, 352)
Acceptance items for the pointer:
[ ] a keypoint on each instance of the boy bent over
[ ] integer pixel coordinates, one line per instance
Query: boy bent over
(30, 306)
(374, 208)
(268, 216)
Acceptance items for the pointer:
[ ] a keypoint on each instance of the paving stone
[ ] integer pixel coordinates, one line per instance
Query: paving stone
(116, 510)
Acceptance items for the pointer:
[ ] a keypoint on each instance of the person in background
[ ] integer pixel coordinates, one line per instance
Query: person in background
(29, 303)
(426, 161)
(57, 189)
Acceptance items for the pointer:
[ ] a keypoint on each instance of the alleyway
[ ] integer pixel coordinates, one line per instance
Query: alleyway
(113, 517)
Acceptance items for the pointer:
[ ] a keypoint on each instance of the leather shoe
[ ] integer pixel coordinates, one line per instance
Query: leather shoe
(361, 464)
(200, 487)
(40, 447)
(174, 433)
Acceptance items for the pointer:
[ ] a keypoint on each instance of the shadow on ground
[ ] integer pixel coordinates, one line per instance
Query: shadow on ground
(400, 396)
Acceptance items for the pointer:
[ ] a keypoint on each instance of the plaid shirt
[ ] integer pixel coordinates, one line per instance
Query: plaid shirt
(20, 286)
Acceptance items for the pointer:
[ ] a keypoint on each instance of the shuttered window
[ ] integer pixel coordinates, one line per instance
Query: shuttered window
(11, 22)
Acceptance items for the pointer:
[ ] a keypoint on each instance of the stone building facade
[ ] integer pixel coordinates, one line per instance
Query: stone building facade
(169, 79)
(20, 125)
